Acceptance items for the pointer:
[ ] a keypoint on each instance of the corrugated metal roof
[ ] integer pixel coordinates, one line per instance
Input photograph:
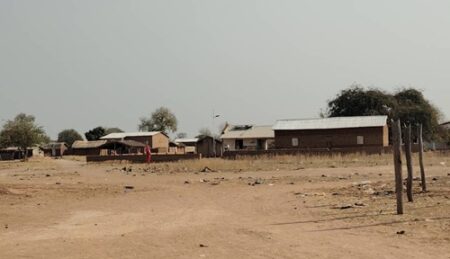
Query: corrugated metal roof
(332, 123)
(79, 144)
(127, 143)
(248, 132)
(186, 140)
(53, 144)
(121, 135)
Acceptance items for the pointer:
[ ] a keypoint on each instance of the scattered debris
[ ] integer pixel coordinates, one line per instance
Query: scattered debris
(402, 232)
(385, 193)
(360, 204)
(204, 180)
(362, 183)
(207, 170)
(343, 207)
(369, 191)
(309, 194)
(257, 181)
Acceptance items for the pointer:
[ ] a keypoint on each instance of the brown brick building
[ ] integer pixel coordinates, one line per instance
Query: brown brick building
(158, 141)
(339, 132)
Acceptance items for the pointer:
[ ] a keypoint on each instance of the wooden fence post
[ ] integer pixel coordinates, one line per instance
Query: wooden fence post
(408, 151)
(397, 146)
(422, 169)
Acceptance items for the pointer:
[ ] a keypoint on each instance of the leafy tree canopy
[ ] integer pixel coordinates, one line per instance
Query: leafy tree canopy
(69, 136)
(95, 133)
(113, 130)
(204, 132)
(22, 132)
(409, 105)
(162, 119)
(182, 135)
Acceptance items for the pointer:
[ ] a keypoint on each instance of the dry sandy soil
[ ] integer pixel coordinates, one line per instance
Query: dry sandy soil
(67, 209)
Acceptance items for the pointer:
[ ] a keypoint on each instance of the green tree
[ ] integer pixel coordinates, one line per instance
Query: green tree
(182, 135)
(356, 101)
(113, 130)
(162, 119)
(22, 132)
(204, 132)
(69, 136)
(95, 133)
(408, 105)
(413, 108)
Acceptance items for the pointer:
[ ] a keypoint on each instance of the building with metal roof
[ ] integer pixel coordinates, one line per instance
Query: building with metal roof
(203, 145)
(247, 137)
(87, 148)
(331, 123)
(338, 132)
(123, 135)
(157, 140)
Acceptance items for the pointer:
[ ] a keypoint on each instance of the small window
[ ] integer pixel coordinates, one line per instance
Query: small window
(360, 140)
(295, 142)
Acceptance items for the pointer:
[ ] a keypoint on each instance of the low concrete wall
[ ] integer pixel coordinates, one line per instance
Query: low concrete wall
(315, 151)
(142, 158)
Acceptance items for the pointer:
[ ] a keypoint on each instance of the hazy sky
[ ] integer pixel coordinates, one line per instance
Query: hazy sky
(80, 64)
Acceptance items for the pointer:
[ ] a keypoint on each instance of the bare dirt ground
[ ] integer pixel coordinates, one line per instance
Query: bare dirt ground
(67, 209)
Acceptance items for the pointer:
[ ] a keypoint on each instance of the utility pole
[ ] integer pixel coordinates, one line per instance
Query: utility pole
(214, 116)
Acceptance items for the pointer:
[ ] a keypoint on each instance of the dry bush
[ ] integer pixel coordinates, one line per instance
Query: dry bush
(286, 162)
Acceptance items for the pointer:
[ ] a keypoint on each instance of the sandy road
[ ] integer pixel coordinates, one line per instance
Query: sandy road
(69, 210)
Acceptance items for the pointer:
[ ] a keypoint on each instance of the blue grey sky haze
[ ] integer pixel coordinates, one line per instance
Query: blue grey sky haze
(81, 64)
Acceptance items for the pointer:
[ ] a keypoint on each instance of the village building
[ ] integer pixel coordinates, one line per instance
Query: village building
(14, 153)
(445, 125)
(123, 147)
(87, 148)
(203, 145)
(54, 149)
(157, 140)
(190, 144)
(176, 148)
(338, 132)
(247, 137)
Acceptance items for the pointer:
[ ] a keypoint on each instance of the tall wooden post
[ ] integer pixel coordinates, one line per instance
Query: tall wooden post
(408, 151)
(422, 169)
(397, 146)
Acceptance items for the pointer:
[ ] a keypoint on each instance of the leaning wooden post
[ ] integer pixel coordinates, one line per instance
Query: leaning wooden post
(409, 182)
(397, 145)
(422, 169)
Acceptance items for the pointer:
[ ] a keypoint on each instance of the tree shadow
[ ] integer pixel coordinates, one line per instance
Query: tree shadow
(332, 219)
(381, 224)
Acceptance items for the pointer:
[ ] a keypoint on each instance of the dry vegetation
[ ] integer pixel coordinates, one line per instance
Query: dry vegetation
(284, 162)
(268, 207)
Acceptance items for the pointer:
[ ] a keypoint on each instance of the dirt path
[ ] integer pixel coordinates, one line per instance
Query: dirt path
(70, 210)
